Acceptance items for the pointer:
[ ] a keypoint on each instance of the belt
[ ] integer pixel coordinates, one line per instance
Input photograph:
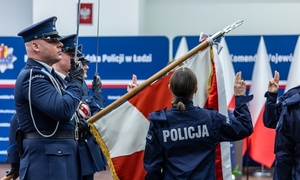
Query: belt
(57, 135)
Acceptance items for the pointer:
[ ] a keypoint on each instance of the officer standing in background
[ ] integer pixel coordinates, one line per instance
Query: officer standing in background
(96, 101)
(91, 157)
(88, 147)
(283, 114)
(45, 108)
(63, 66)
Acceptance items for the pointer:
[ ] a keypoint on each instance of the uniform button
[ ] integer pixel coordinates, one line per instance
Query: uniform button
(86, 140)
(59, 152)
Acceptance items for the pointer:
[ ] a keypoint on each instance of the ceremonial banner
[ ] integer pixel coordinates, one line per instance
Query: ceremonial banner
(229, 74)
(122, 132)
(217, 100)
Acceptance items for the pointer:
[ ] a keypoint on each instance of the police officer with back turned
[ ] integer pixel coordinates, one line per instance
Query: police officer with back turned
(181, 141)
(45, 108)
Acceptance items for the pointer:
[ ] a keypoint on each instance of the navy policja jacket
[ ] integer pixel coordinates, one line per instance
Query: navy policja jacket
(91, 157)
(283, 114)
(181, 145)
(58, 158)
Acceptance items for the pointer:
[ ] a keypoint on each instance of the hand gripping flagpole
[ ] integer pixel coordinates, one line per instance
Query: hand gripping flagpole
(163, 71)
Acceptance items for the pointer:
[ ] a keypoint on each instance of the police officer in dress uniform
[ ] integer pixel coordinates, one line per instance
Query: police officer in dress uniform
(283, 114)
(96, 100)
(68, 51)
(91, 158)
(181, 141)
(45, 108)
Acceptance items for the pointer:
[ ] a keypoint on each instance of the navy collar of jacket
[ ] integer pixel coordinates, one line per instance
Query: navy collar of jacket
(34, 63)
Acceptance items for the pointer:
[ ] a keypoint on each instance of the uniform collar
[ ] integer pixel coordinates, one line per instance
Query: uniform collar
(61, 74)
(42, 65)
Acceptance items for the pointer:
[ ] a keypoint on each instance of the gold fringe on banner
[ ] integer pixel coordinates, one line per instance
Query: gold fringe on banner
(104, 149)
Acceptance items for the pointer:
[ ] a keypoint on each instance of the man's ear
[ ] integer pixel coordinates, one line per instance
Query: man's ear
(34, 45)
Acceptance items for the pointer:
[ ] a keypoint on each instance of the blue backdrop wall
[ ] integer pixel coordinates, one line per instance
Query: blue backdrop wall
(120, 57)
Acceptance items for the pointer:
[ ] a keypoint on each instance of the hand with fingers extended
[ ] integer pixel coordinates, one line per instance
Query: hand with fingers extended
(96, 84)
(76, 71)
(239, 85)
(133, 83)
(273, 85)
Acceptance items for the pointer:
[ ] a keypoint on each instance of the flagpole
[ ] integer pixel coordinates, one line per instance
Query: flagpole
(97, 41)
(162, 72)
(77, 30)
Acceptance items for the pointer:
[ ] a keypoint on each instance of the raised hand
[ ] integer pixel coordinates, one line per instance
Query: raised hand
(133, 83)
(239, 85)
(273, 83)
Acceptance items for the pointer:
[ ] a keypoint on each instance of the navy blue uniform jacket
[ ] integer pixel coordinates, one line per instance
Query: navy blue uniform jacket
(181, 145)
(283, 114)
(91, 157)
(46, 158)
(95, 101)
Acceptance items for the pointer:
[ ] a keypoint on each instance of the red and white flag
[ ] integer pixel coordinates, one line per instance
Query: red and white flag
(212, 94)
(123, 130)
(182, 48)
(293, 79)
(229, 74)
(261, 142)
(220, 104)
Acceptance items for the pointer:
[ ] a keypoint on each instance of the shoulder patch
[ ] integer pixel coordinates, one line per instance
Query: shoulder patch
(158, 116)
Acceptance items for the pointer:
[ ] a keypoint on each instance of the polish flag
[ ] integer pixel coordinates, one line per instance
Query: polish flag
(182, 48)
(229, 74)
(217, 100)
(293, 79)
(122, 132)
(261, 142)
(213, 94)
